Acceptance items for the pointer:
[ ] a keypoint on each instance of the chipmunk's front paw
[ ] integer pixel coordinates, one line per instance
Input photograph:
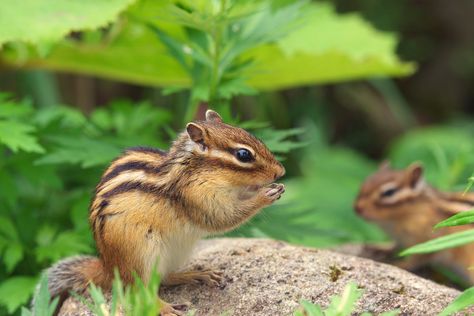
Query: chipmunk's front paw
(274, 191)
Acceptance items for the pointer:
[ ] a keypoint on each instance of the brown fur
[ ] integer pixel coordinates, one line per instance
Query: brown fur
(409, 214)
(150, 203)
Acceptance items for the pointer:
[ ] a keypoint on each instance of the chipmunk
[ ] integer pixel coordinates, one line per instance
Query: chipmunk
(407, 208)
(153, 206)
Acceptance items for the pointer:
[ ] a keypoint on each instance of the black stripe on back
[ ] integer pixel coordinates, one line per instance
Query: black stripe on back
(131, 165)
(103, 204)
(131, 186)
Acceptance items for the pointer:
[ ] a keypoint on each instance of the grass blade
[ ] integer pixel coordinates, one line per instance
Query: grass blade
(310, 309)
(448, 241)
(462, 218)
(464, 300)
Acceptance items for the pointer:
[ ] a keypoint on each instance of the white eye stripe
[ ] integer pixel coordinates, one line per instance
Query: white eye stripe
(227, 156)
(388, 186)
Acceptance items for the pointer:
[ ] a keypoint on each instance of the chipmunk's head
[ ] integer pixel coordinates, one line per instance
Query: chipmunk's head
(388, 192)
(229, 156)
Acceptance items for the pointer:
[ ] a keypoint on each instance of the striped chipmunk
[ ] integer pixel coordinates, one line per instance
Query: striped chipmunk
(407, 208)
(153, 206)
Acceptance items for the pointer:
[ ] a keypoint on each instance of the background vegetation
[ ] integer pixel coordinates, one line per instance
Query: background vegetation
(332, 88)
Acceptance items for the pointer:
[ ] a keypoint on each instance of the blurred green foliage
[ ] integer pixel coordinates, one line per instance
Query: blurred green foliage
(201, 52)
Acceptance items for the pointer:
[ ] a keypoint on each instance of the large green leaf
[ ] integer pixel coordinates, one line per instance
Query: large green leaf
(49, 20)
(328, 47)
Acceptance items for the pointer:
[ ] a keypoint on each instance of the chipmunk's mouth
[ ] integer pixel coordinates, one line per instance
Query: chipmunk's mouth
(256, 187)
(249, 191)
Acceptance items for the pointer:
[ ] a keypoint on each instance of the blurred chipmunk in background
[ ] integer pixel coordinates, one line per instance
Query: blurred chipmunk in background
(407, 209)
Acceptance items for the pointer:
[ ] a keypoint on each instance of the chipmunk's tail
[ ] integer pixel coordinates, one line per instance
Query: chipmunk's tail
(72, 275)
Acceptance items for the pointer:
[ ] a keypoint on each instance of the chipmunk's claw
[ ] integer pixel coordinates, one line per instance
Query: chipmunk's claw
(208, 277)
(168, 309)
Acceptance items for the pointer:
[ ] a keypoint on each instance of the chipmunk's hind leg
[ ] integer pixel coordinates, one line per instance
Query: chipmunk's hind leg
(208, 277)
(168, 309)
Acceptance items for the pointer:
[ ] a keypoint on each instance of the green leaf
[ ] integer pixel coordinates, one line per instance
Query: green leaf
(12, 255)
(43, 304)
(311, 309)
(16, 291)
(79, 150)
(470, 183)
(440, 243)
(7, 228)
(462, 218)
(9, 192)
(129, 119)
(69, 117)
(327, 48)
(17, 136)
(466, 299)
(45, 235)
(13, 109)
(26, 312)
(65, 244)
(344, 305)
(277, 140)
(13, 250)
(48, 20)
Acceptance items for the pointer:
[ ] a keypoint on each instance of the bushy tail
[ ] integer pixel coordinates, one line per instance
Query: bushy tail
(72, 274)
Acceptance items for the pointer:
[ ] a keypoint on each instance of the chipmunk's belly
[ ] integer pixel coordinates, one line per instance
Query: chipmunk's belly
(174, 250)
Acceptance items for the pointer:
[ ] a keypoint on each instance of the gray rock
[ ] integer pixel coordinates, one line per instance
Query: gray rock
(267, 277)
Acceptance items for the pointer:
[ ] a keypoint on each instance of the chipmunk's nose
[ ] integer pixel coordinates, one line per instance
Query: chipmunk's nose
(280, 171)
(359, 208)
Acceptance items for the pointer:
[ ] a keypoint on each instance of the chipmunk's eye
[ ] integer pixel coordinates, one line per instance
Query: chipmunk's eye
(388, 192)
(244, 155)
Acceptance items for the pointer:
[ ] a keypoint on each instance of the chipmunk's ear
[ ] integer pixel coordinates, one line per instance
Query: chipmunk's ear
(213, 116)
(195, 132)
(384, 165)
(414, 174)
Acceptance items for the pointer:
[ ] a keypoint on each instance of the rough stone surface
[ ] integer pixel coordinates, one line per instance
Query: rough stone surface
(266, 277)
